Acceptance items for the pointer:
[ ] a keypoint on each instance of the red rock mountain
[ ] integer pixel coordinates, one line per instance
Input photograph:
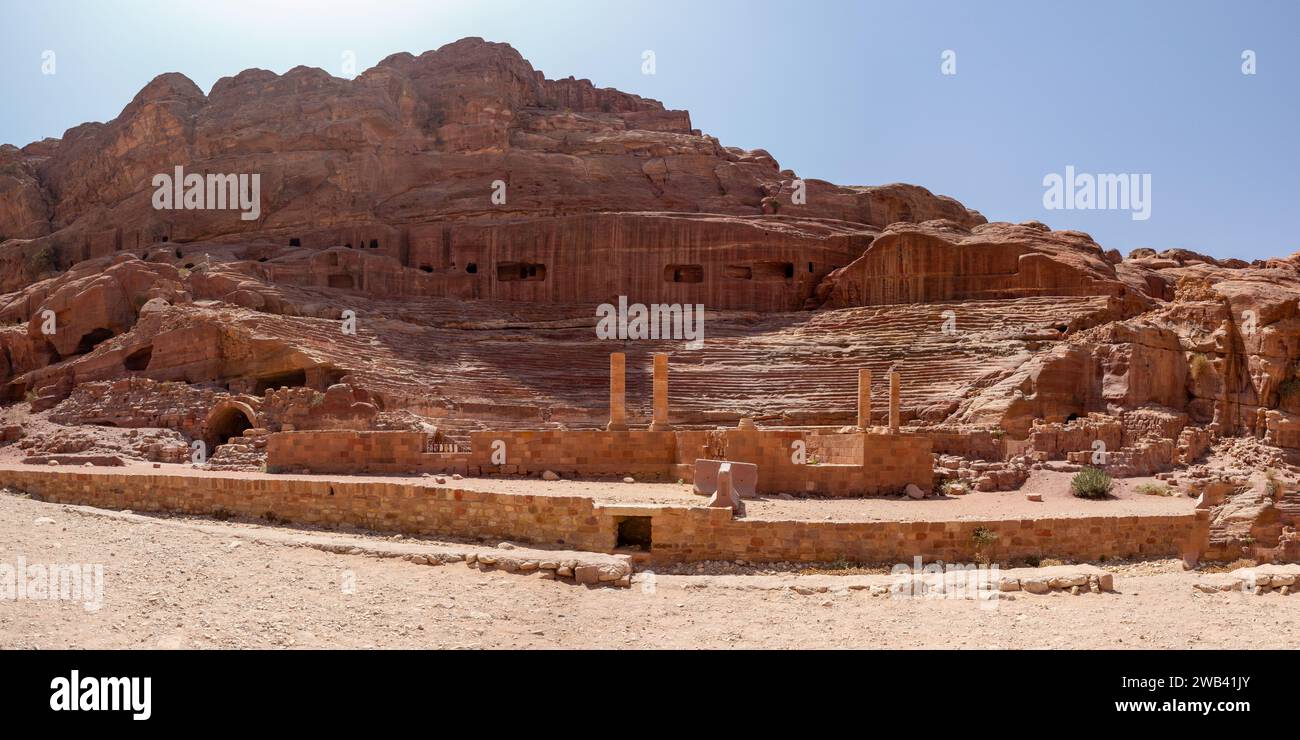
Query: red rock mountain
(377, 197)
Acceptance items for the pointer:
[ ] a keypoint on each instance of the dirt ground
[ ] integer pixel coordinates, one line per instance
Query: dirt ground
(198, 583)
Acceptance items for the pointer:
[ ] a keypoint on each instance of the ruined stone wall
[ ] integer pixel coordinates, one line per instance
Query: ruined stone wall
(1056, 441)
(648, 455)
(888, 463)
(678, 533)
(835, 449)
(340, 407)
(882, 463)
(1137, 443)
(139, 402)
(1152, 423)
(979, 444)
(885, 463)
(353, 452)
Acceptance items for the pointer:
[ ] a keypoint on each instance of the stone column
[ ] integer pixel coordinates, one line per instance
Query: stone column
(864, 399)
(893, 402)
(617, 394)
(660, 422)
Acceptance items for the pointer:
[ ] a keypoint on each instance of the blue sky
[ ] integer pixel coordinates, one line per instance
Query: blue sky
(847, 91)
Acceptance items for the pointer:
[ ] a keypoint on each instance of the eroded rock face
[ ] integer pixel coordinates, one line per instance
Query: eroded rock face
(945, 261)
(1224, 351)
(394, 157)
(24, 211)
(471, 313)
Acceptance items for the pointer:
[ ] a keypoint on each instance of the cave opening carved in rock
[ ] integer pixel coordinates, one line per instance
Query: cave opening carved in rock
(138, 361)
(290, 379)
(684, 274)
(228, 421)
(520, 271)
(92, 339)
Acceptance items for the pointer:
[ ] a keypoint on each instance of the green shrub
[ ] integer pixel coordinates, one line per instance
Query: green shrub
(940, 485)
(1273, 486)
(955, 487)
(984, 540)
(1155, 489)
(1199, 366)
(42, 261)
(1091, 483)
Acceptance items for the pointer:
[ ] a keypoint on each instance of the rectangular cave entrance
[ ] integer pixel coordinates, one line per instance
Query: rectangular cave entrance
(773, 270)
(292, 379)
(633, 533)
(684, 274)
(514, 271)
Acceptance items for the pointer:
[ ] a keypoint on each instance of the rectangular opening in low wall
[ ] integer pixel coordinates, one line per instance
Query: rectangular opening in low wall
(633, 533)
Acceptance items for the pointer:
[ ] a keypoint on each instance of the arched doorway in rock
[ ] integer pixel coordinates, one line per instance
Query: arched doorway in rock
(91, 339)
(227, 420)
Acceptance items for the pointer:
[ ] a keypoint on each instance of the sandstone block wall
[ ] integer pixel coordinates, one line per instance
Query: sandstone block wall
(684, 535)
(873, 463)
(835, 449)
(980, 444)
(678, 533)
(408, 508)
(349, 452)
(139, 402)
(648, 455)
(885, 463)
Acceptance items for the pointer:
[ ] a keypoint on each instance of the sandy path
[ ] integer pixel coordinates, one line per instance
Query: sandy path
(181, 587)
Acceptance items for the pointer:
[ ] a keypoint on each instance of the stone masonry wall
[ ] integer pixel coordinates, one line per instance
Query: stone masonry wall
(885, 463)
(679, 533)
(350, 452)
(888, 463)
(687, 535)
(648, 455)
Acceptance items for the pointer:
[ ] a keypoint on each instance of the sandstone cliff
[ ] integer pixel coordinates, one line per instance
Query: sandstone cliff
(377, 199)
